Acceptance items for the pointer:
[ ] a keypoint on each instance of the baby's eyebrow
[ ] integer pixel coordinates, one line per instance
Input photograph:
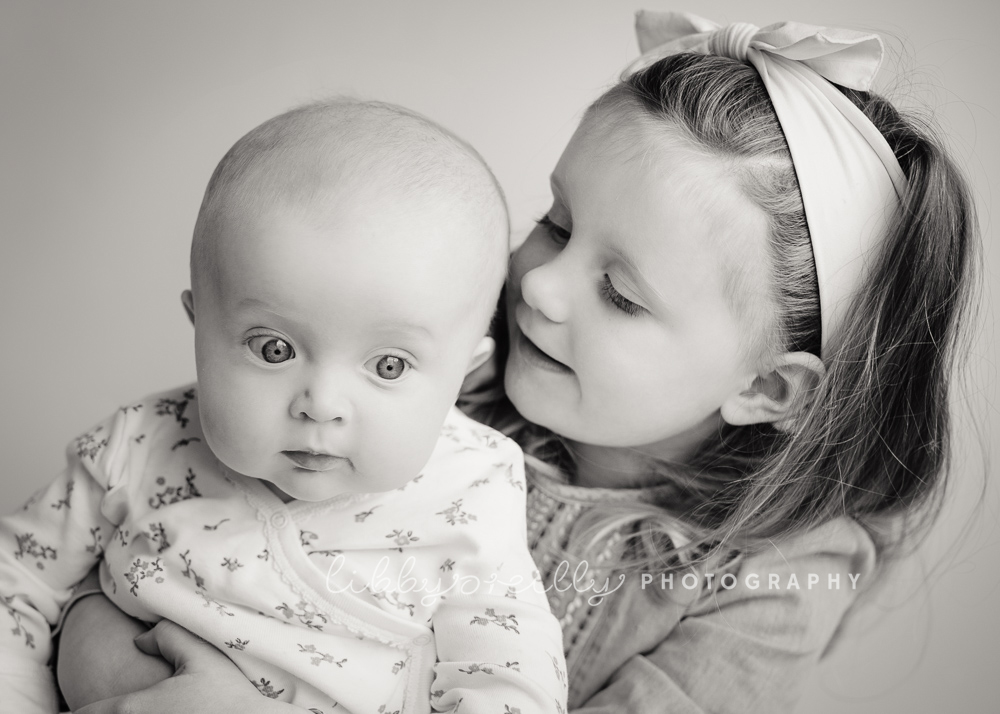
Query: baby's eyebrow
(252, 303)
(401, 325)
(411, 328)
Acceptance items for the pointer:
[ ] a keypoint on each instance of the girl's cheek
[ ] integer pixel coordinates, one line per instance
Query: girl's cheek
(532, 253)
(631, 359)
(518, 267)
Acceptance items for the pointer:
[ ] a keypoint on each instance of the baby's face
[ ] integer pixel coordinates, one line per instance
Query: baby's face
(329, 352)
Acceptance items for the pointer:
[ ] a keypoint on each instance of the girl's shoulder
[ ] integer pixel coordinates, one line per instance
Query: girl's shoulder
(795, 592)
(837, 542)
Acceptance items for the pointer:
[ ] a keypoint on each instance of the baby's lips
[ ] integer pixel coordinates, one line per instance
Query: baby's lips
(312, 461)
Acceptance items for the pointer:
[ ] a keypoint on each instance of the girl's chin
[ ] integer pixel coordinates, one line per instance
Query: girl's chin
(537, 400)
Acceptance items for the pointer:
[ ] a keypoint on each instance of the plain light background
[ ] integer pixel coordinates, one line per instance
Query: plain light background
(113, 115)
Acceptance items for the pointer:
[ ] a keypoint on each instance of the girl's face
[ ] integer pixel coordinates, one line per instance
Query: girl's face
(621, 301)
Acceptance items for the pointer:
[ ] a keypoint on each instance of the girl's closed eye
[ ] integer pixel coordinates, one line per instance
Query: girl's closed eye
(609, 293)
(388, 367)
(555, 231)
(270, 348)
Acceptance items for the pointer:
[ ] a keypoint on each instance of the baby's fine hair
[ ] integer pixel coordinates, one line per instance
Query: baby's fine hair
(872, 441)
(353, 145)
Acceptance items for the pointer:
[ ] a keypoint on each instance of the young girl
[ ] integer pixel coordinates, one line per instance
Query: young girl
(730, 343)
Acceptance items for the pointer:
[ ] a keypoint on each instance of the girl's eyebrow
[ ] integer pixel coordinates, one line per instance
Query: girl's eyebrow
(557, 188)
(621, 252)
(645, 284)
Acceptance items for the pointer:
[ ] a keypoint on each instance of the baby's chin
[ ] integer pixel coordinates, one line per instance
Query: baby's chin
(310, 489)
(284, 497)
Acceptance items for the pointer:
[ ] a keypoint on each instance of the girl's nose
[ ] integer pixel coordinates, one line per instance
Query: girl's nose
(543, 288)
(322, 400)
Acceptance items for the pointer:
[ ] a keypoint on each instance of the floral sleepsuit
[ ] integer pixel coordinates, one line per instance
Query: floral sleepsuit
(425, 596)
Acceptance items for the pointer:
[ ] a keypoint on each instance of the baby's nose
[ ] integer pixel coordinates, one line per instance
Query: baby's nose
(323, 400)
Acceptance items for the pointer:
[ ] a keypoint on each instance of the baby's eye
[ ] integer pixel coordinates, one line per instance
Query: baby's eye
(388, 367)
(272, 350)
(555, 231)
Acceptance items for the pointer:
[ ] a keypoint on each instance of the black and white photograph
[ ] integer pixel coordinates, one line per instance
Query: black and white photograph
(525, 357)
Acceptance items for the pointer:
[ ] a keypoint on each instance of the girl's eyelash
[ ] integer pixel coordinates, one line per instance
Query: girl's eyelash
(554, 230)
(617, 299)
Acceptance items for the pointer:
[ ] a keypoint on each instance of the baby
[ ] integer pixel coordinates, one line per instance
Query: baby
(315, 506)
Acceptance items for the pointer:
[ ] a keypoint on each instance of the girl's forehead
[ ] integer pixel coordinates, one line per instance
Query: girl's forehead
(617, 154)
(649, 192)
(628, 130)
(652, 172)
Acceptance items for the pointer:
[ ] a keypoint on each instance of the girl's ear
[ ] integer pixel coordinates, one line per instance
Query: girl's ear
(187, 300)
(774, 396)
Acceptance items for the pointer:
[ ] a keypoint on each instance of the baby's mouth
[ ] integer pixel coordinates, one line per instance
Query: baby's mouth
(311, 461)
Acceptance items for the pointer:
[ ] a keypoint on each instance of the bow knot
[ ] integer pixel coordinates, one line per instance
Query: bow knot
(733, 40)
(850, 180)
(844, 57)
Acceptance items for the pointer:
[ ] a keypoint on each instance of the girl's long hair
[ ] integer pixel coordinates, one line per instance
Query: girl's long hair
(872, 439)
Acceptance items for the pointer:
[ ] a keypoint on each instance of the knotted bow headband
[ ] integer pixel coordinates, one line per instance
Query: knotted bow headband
(851, 182)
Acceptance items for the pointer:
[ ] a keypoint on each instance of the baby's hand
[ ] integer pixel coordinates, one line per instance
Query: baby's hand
(97, 656)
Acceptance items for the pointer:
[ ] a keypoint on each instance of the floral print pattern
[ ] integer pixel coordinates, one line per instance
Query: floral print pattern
(190, 542)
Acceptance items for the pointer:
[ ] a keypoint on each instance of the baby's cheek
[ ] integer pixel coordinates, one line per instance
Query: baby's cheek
(403, 444)
(219, 433)
(230, 425)
(399, 457)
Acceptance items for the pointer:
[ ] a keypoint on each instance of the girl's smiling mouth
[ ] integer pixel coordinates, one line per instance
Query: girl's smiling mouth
(534, 355)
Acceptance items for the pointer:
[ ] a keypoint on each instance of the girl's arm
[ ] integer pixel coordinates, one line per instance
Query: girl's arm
(750, 649)
(97, 658)
(46, 548)
(110, 662)
(205, 680)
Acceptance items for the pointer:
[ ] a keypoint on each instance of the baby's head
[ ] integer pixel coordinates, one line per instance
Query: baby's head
(345, 265)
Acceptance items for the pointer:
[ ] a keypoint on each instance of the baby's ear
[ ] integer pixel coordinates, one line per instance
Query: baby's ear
(187, 300)
(484, 350)
(775, 397)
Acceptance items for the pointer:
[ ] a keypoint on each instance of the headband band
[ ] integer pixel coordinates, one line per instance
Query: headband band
(851, 182)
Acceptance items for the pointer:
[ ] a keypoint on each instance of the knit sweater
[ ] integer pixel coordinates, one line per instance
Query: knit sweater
(745, 645)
